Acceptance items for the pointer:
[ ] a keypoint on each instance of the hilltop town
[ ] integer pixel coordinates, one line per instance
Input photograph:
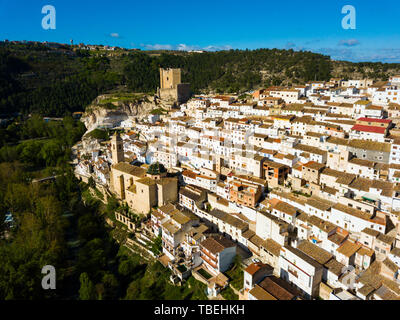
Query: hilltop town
(301, 183)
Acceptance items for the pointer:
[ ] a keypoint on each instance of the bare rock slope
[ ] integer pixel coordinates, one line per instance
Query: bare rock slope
(111, 109)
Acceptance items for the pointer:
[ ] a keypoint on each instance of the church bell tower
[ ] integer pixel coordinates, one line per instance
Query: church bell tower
(117, 149)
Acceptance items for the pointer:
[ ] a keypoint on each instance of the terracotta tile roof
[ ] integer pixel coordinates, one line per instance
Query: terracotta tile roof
(390, 265)
(366, 290)
(363, 162)
(248, 234)
(300, 254)
(286, 208)
(395, 252)
(385, 293)
(365, 119)
(369, 145)
(278, 288)
(361, 184)
(272, 247)
(318, 254)
(166, 209)
(320, 204)
(363, 251)
(322, 224)
(217, 244)
(309, 149)
(334, 266)
(130, 169)
(385, 238)
(254, 268)
(373, 129)
(337, 238)
(348, 248)
(352, 211)
(260, 294)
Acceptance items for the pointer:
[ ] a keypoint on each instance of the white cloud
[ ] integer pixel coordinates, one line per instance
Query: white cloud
(357, 55)
(184, 47)
(217, 48)
(114, 35)
(157, 46)
(349, 42)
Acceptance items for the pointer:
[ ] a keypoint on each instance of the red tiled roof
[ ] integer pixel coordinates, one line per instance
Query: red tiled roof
(359, 127)
(189, 174)
(253, 268)
(375, 120)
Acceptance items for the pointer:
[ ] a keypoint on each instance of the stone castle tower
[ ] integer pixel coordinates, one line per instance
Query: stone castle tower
(171, 87)
(170, 78)
(117, 149)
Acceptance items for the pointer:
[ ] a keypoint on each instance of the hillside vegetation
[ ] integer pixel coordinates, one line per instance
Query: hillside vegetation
(56, 82)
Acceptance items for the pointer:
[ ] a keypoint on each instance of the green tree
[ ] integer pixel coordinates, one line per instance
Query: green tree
(111, 285)
(51, 152)
(156, 246)
(126, 267)
(87, 289)
(29, 152)
(133, 291)
(91, 183)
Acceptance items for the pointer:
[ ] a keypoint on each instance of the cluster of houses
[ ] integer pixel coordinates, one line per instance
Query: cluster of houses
(305, 180)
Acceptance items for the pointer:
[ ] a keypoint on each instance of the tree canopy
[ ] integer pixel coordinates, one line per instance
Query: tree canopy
(56, 82)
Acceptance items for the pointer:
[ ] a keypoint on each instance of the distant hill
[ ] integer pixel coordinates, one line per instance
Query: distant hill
(56, 81)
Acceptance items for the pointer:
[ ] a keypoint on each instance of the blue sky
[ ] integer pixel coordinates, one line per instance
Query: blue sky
(213, 25)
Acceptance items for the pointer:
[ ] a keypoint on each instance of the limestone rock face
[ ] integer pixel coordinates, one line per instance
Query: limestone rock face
(100, 114)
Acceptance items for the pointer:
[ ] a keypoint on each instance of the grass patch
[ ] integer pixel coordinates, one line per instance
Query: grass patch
(156, 246)
(228, 294)
(236, 274)
(121, 97)
(99, 194)
(159, 111)
(98, 134)
(87, 196)
(110, 106)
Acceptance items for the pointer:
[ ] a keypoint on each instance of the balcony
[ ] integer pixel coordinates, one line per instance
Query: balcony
(210, 262)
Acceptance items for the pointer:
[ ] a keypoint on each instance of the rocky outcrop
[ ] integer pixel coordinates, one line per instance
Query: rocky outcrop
(100, 114)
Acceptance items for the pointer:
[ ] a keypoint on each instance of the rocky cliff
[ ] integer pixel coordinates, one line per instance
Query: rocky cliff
(109, 110)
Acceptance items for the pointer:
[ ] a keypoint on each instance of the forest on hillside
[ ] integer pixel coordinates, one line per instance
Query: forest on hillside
(56, 82)
(61, 223)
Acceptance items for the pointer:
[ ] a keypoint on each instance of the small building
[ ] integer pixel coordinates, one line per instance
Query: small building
(301, 270)
(217, 253)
